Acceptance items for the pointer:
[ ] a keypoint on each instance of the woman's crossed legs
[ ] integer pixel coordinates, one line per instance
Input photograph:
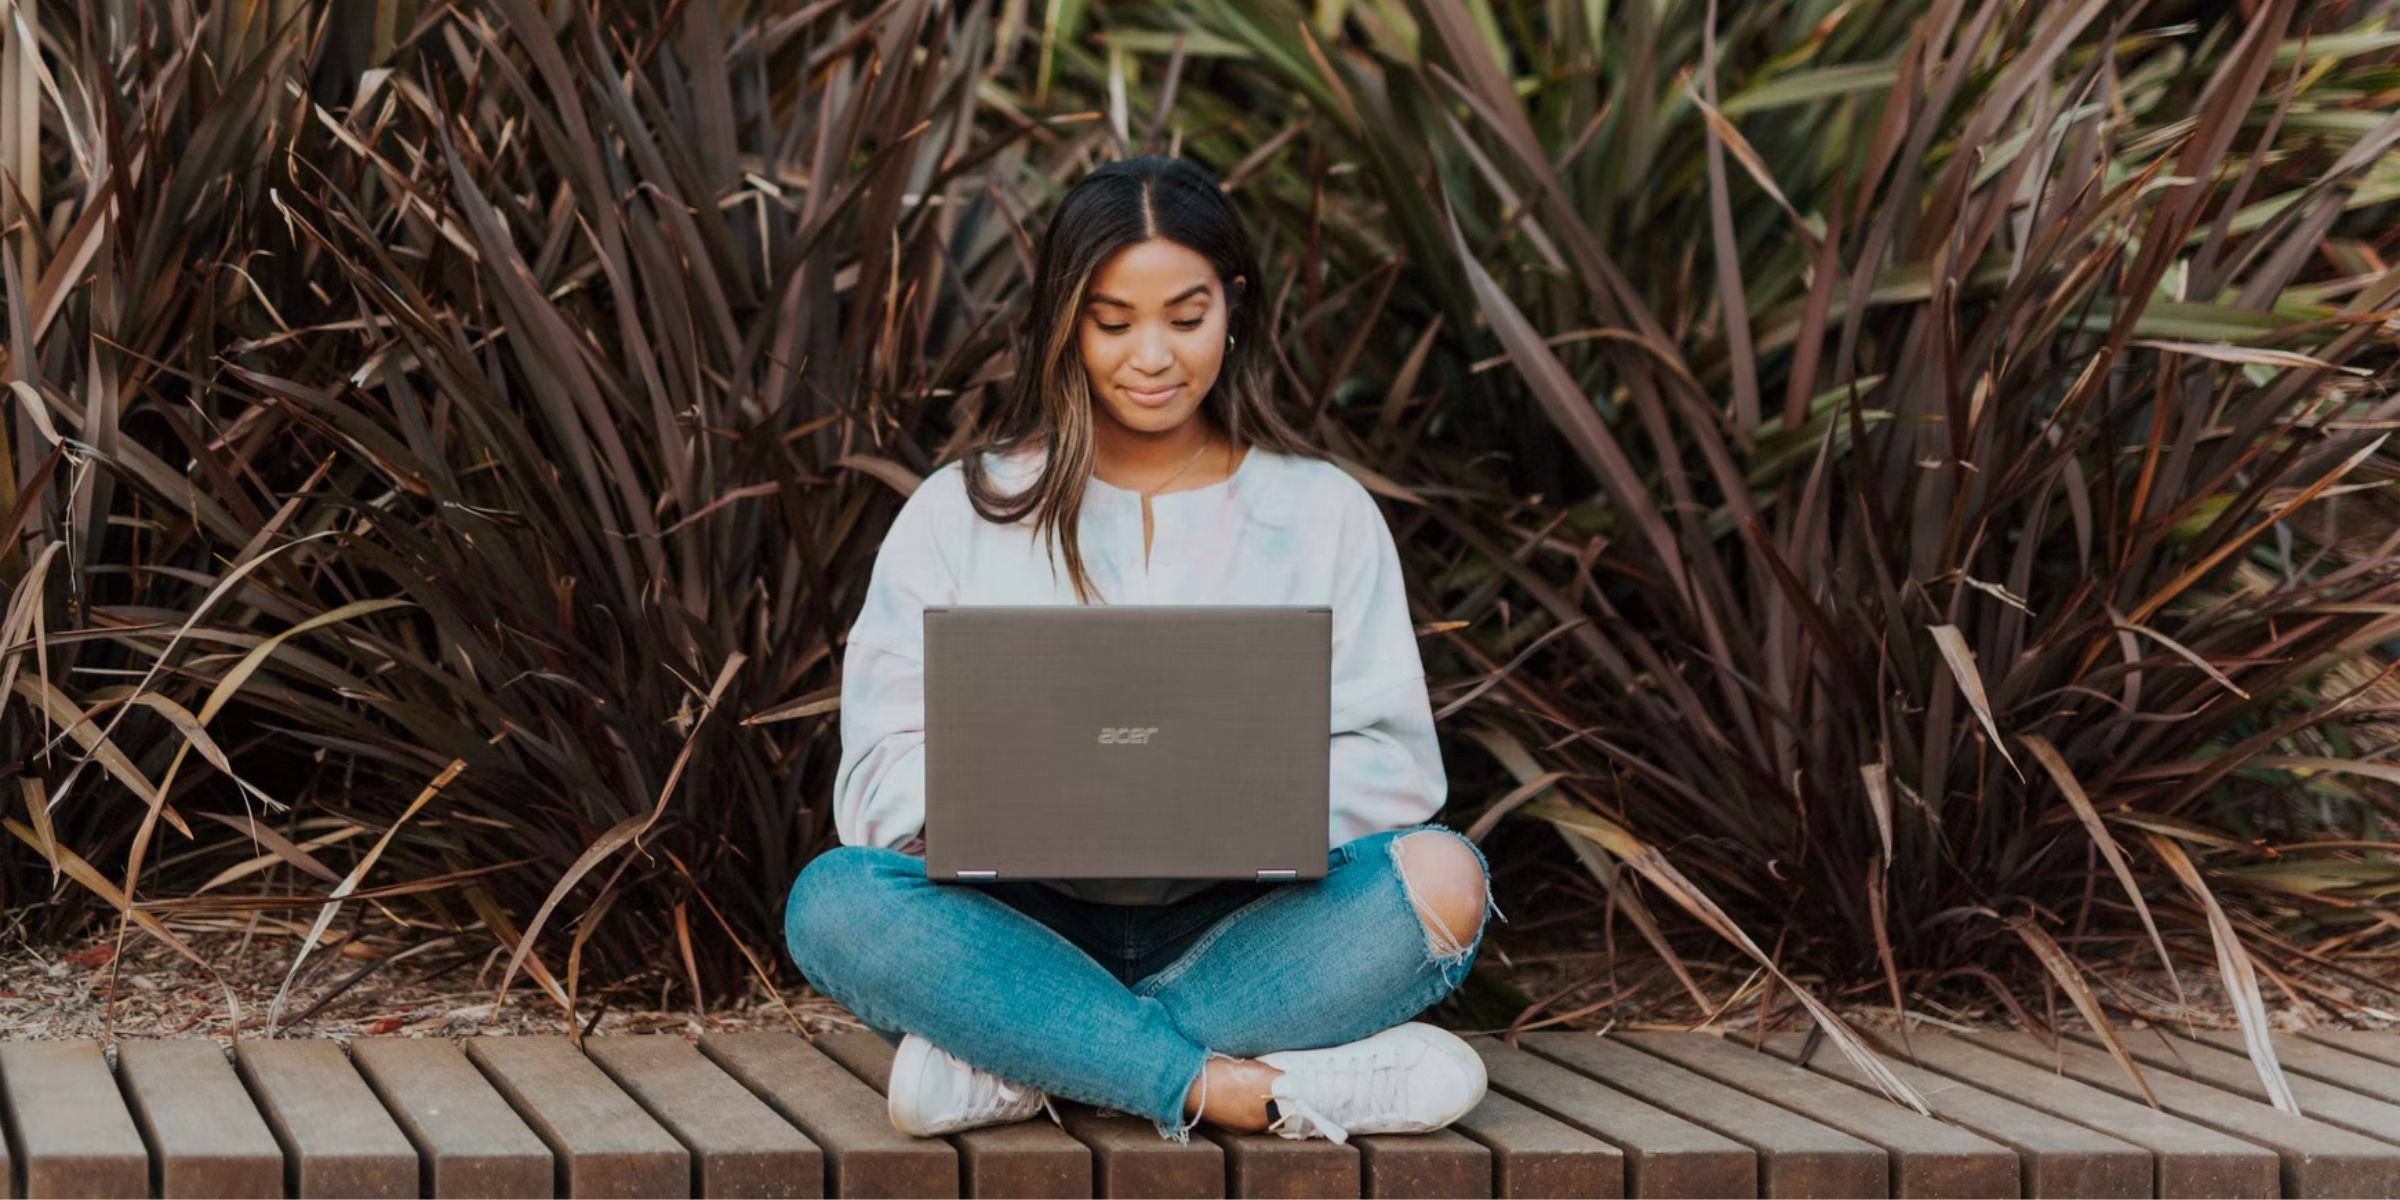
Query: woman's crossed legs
(1394, 926)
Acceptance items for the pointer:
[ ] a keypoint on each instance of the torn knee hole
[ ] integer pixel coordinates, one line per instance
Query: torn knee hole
(1447, 887)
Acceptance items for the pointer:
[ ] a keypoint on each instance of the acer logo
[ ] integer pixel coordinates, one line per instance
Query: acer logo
(1130, 735)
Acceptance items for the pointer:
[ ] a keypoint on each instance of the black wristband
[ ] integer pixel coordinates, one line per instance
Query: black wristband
(1274, 1114)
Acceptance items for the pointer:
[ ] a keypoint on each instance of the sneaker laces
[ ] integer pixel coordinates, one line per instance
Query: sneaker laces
(1300, 1118)
(1372, 1081)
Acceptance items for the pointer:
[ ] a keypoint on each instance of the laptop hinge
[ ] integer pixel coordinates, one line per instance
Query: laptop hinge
(1265, 875)
(979, 874)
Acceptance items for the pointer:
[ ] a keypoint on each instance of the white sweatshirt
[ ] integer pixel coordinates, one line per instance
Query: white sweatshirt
(1281, 530)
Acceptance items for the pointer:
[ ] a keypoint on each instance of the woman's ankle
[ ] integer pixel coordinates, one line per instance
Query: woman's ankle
(1236, 1090)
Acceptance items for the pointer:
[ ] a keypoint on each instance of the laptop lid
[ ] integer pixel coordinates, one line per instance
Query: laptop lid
(1074, 742)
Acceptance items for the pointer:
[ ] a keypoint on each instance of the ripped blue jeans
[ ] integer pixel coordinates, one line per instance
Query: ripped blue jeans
(1122, 1006)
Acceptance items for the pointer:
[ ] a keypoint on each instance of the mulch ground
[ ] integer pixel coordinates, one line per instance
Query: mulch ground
(1548, 966)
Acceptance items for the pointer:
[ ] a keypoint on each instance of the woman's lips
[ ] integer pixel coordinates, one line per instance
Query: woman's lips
(1153, 398)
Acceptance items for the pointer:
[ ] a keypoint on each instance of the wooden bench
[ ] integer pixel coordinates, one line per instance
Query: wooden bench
(1567, 1114)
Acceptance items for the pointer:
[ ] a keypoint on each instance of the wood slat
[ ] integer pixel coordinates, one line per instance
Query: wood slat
(2318, 1160)
(2303, 1056)
(739, 1146)
(2057, 1157)
(2232, 1070)
(1534, 1154)
(1439, 1162)
(864, 1155)
(2186, 1159)
(605, 1145)
(1024, 1158)
(1928, 1158)
(1665, 1155)
(337, 1139)
(72, 1133)
(1797, 1157)
(1268, 1164)
(205, 1135)
(2382, 1047)
(1130, 1159)
(468, 1140)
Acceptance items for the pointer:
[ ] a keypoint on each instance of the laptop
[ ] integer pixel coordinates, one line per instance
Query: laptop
(1072, 742)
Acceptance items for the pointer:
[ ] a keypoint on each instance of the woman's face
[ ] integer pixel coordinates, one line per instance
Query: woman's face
(1152, 334)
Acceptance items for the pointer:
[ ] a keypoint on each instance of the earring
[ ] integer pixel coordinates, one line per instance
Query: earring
(1229, 339)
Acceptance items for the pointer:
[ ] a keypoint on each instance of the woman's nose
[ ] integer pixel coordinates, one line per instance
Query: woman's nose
(1151, 351)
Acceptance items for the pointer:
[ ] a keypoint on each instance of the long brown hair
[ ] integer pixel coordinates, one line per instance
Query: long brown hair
(1049, 403)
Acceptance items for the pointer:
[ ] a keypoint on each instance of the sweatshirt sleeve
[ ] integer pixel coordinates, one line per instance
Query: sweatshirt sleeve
(879, 788)
(1387, 765)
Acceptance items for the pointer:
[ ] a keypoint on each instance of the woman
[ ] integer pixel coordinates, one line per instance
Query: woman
(1140, 443)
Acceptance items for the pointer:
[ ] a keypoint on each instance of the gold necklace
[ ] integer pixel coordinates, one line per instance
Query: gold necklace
(1187, 465)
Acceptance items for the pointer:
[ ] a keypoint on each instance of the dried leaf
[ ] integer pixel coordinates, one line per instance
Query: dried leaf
(2069, 975)
(1953, 646)
(2072, 788)
(2233, 964)
(1663, 876)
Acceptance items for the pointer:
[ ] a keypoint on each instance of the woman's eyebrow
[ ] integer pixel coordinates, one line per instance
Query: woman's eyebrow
(1180, 297)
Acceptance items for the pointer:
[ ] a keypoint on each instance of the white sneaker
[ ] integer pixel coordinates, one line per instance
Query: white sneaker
(934, 1092)
(1411, 1078)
